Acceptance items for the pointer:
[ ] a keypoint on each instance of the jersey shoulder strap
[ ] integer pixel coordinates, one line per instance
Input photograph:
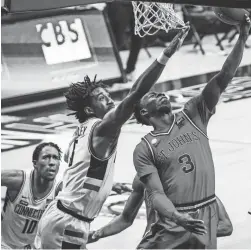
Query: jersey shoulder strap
(150, 141)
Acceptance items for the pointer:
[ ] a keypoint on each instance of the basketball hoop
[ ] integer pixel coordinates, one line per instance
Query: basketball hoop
(150, 17)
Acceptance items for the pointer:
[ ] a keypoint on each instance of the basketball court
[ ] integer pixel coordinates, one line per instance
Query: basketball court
(24, 126)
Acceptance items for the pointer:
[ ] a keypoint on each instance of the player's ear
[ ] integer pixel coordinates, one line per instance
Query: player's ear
(144, 112)
(88, 110)
(145, 116)
(34, 163)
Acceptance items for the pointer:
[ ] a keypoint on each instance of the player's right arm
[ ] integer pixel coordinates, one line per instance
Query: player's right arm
(215, 87)
(12, 179)
(225, 227)
(204, 104)
(117, 117)
(126, 218)
(148, 174)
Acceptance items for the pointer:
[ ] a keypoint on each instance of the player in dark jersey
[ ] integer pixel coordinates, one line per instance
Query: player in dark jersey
(175, 163)
(133, 204)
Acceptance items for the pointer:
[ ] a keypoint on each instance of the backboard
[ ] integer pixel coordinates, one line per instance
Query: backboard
(37, 5)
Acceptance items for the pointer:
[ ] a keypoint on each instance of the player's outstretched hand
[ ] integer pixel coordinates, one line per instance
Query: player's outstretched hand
(94, 236)
(245, 27)
(120, 188)
(177, 41)
(189, 223)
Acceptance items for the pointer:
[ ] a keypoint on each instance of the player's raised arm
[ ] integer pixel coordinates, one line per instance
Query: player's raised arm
(218, 83)
(126, 218)
(118, 116)
(12, 179)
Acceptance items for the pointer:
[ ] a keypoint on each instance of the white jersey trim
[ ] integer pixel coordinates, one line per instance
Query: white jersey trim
(194, 124)
(165, 133)
(147, 142)
(90, 145)
(31, 192)
(21, 189)
(197, 205)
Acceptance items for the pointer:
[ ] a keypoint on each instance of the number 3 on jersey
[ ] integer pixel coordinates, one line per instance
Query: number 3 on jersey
(187, 164)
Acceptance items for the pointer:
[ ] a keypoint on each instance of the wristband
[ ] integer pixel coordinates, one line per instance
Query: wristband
(163, 59)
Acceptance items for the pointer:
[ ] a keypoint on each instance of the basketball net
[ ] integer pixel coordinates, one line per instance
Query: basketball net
(150, 17)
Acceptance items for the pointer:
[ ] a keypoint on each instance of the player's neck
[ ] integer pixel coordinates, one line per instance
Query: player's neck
(41, 185)
(162, 122)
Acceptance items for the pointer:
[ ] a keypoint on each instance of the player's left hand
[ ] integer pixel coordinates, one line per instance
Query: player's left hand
(245, 27)
(177, 41)
(187, 28)
(120, 188)
(94, 236)
(189, 223)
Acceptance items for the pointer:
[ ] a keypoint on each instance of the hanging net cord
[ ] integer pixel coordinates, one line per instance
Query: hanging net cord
(150, 17)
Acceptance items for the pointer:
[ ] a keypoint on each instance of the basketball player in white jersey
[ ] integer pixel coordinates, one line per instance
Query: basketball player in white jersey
(131, 209)
(28, 194)
(91, 155)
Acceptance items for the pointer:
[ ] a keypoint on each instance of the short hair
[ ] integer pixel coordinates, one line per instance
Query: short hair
(139, 118)
(40, 147)
(77, 96)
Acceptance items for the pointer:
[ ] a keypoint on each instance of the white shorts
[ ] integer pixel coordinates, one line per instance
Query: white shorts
(57, 229)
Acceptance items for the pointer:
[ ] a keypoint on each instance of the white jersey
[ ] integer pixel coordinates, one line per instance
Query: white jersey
(20, 217)
(87, 181)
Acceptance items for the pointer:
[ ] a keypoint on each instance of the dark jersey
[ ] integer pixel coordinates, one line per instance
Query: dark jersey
(181, 156)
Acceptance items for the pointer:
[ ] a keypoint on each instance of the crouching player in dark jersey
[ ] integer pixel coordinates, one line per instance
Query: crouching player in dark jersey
(175, 162)
(133, 204)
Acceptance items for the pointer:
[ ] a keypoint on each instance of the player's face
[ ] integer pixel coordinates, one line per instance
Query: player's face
(156, 103)
(48, 163)
(101, 102)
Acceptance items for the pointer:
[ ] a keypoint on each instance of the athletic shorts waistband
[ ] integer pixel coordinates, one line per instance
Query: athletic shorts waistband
(192, 206)
(66, 210)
